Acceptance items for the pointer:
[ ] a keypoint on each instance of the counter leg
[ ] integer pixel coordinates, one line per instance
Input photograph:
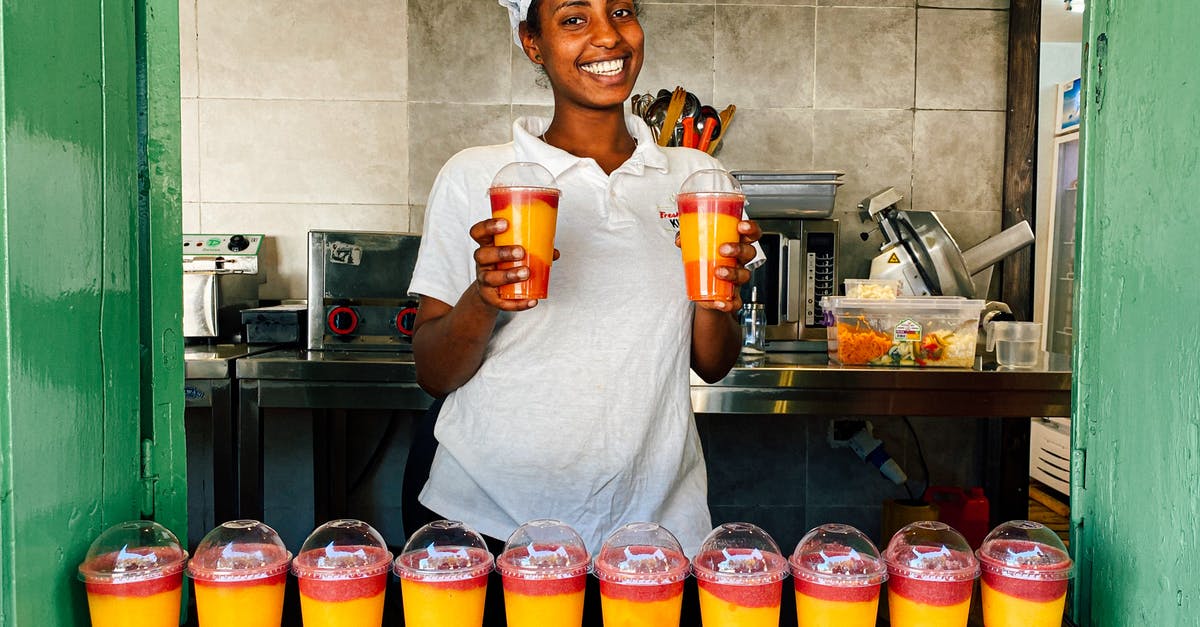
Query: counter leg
(224, 451)
(249, 451)
(1007, 476)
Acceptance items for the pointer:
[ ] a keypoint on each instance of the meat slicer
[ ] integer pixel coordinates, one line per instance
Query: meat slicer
(919, 251)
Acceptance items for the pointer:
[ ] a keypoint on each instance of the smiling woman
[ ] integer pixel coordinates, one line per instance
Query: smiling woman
(606, 356)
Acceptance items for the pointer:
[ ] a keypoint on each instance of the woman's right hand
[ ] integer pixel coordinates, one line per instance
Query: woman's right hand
(488, 276)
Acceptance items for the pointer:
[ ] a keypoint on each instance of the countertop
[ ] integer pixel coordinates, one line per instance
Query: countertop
(787, 383)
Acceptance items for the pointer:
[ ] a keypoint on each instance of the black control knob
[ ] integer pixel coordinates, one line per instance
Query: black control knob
(238, 243)
(405, 320)
(342, 320)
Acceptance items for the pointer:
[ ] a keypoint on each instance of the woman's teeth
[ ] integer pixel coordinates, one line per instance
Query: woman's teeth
(605, 68)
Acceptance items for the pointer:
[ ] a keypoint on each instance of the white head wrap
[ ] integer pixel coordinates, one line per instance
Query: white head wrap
(517, 10)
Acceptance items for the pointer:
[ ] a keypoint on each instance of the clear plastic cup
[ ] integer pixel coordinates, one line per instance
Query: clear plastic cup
(740, 572)
(526, 195)
(240, 571)
(931, 572)
(342, 569)
(133, 574)
(443, 574)
(1026, 569)
(710, 206)
(1017, 344)
(544, 569)
(641, 569)
(837, 573)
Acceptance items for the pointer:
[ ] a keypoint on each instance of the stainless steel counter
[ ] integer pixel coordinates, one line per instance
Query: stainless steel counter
(800, 384)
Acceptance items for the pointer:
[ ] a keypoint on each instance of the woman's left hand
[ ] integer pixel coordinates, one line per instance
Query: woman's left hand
(742, 252)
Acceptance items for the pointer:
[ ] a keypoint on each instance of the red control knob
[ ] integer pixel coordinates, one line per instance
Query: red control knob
(405, 320)
(342, 320)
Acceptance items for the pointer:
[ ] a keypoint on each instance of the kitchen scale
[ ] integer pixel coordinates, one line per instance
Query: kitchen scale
(920, 253)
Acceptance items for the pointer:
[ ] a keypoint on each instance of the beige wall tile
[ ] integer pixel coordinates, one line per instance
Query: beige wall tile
(188, 67)
(865, 58)
(416, 219)
(679, 49)
(191, 218)
(962, 59)
(958, 161)
(768, 139)
(764, 56)
(459, 51)
(965, 4)
(189, 145)
(438, 131)
(309, 49)
(873, 148)
(793, 3)
(284, 254)
(303, 151)
(867, 3)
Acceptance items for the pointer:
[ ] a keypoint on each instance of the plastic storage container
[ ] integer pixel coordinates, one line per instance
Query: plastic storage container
(919, 331)
(878, 289)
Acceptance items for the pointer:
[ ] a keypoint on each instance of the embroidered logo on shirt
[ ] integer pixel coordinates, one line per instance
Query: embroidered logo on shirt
(669, 218)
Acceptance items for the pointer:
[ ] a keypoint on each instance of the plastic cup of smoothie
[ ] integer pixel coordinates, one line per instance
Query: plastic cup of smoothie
(526, 195)
(1026, 569)
(240, 571)
(837, 572)
(710, 206)
(740, 573)
(544, 570)
(342, 569)
(443, 574)
(931, 572)
(133, 574)
(641, 569)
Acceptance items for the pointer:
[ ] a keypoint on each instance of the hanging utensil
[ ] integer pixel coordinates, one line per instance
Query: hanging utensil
(726, 117)
(672, 117)
(708, 127)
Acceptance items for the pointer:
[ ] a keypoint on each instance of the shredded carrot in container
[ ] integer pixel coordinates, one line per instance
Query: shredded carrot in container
(859, 343)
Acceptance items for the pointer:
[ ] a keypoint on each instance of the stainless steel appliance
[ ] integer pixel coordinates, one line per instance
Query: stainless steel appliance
(801, 246)
(920, 253)
(358, 290)
(220, 278)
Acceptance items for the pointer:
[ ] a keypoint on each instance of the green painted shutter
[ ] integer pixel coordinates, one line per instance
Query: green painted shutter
(1136, 431)
(89, 342)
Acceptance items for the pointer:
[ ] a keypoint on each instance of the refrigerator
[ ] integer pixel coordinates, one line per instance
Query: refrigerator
(1050, 438)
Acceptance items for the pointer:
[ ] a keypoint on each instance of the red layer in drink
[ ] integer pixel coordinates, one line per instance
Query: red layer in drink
(940, 593)
(761, 595)
(850, 594)
(641, 592)
(477, 556)
(344, 589)
(150, 587)
(1036, 589)
(724, 204)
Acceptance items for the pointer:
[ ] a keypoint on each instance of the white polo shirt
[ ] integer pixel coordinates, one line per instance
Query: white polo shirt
(581, 410)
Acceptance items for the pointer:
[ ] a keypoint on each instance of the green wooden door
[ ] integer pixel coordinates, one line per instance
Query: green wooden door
(90, 352)
(1136, 481)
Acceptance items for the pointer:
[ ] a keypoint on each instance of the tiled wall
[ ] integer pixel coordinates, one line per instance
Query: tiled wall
(306, 114)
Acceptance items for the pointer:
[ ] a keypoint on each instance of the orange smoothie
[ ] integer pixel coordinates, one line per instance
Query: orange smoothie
(444, 598)
(544, 603)
(532, 214)
(1037, 601)
(917, 603)
(706, 221)
(151, 603)
(728, 601)
(641, 605)
(254, 603)
(819, 605)
(343, 603)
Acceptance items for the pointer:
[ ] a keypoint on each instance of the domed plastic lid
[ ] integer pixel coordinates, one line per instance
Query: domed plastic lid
(739, 554)
(524, 174)
(444, 550)
(137, 550)
(641, 554)
(239, 550)
(931, 551)
(1023, 549)
(342, 549)
(838, 555)
(544, 549)
(713, 181)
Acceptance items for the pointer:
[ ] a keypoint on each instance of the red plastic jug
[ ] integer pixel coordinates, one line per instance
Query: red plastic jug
(965, 510)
